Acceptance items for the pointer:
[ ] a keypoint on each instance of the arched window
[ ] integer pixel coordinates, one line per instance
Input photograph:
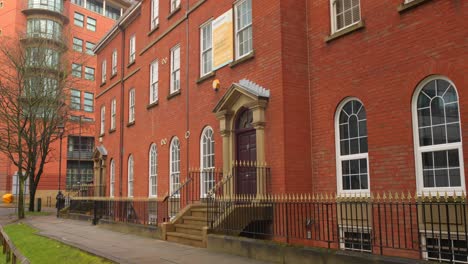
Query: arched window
(112, 178)
(130, 176)
(174, 165)
(153, 171)
(438, 144)
(351, 147)
(207, 154)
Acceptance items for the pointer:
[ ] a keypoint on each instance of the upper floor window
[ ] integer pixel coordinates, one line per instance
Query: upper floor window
(54, 5)
(345, 13)
(104, 71)
(103, 120)
(89, 73)
(77, 44)
(132, 49)
(438, 140)
(78, 19)
(112, 178)
(130, 176)
(131, 106)
(93, 5)
(243, 22)
(75, 99)
(175, 69)
(112, 12)
(154, 79)
(78, 2)
(88, 102)
(154, 13)
(44, 28)
(114, 62)
(175, 4)
(76, 70)
(153, 171)
(351, 147)
(206, 51)
(89, 48)
(113, 113)
(91, 24)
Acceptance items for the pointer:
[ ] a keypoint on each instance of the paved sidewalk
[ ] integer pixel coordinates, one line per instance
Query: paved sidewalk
(126, 248)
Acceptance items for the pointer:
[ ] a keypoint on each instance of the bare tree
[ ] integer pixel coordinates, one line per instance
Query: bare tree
(34, 83)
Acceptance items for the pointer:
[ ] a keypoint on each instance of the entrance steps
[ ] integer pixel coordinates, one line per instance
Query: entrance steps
(189, 227)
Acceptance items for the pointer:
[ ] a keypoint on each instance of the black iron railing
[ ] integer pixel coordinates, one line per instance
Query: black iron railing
(87, 190)
(394, 225)
(125, 210)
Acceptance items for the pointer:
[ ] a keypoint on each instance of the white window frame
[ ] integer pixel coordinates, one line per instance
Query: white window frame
(333, 15)
(239, 30)
(130, 175)
(103, 120)
(131, 105)
(208, 49)
(153, 171)
(175, 4)
(175, 72)
(104, 71)
(418, 150)
(154, 14)
(340, 158)
(174, 166)
(112, 178)
(354, 229)
(207, 152)
(132, 48)
(425, 234)
(114, 62)
(154, 82)
(113, 113)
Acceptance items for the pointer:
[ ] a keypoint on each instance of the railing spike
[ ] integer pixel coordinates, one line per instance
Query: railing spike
(437, 196)
(397, 197)
(446, 197)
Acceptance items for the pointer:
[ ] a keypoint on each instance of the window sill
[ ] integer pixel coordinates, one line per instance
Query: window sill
(172, 95)
(174, 12)
(360, 25)
(153, 30)
(153, 104)
(247, 57)
(403, 7)
(102, 84)
(206, 77)
(130, 64)
(101, 135)
(131, 123)
(112, 131)
(112, 76)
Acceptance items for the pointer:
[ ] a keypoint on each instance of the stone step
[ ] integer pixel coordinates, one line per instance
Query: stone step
(189, 229)
(194, 220)
(186, 239)
(199, 212)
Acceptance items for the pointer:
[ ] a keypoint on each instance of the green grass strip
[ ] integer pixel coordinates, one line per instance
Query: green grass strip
(40, 249)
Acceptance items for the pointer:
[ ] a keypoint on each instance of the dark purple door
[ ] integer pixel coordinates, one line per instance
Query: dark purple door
(246, 152)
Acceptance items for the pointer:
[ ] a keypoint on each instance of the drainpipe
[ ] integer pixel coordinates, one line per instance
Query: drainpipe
(122, 97)
(187, 48)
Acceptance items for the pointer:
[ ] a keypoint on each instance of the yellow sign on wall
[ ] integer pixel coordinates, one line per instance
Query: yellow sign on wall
(223, 44)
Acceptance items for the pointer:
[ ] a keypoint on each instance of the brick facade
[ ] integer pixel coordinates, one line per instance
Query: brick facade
(380, 63)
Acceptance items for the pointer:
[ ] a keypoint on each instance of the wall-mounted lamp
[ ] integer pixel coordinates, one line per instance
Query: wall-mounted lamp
(216, 85)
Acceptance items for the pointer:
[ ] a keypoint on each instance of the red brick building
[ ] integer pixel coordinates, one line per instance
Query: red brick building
(80, 24)
(347, 97)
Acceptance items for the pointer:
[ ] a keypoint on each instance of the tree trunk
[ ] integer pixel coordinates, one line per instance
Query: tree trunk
(21, 198)
(32, 195)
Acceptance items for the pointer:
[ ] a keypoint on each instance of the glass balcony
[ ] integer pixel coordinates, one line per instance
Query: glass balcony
(52, 5)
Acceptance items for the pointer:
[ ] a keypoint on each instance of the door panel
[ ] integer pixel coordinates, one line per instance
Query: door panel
(246, 182)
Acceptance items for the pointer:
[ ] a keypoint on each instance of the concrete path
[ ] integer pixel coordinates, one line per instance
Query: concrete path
(126, 248)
